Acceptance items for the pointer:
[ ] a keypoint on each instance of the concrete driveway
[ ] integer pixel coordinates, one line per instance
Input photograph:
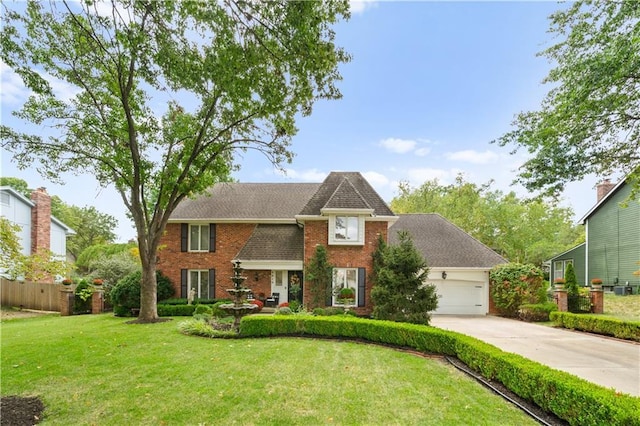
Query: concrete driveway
(608, 362)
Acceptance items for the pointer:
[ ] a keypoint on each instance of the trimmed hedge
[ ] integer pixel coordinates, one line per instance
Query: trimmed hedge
(175, 310)
(629, 330)
(575, 400)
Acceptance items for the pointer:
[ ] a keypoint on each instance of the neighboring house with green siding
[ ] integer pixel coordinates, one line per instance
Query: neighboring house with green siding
(612, 230)
(575, 256)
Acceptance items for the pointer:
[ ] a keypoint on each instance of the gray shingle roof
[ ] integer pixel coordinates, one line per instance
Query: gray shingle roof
(443, 244)
(362, 195)
(247, 201)
(274, 242)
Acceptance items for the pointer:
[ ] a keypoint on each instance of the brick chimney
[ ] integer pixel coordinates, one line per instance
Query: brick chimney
(40, 220)
(603, 189)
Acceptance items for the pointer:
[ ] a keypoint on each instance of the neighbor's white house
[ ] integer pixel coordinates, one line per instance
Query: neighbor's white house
(38, 228)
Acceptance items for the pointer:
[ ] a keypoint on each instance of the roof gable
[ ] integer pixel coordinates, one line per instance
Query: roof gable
(361, 194)
(603, 201)
(346, 196)
(443, 244)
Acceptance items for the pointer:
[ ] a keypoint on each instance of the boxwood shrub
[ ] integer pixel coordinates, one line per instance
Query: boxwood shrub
(573, 399)
(629, 330)
(175, 310)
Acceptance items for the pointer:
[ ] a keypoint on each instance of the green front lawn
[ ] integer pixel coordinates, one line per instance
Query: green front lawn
(95, 369)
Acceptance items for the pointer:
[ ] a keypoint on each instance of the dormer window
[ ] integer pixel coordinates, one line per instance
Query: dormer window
(346, 230)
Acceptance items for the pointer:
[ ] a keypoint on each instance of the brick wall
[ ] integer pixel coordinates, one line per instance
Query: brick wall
(230, 238)
(40, 220)
(316, 232)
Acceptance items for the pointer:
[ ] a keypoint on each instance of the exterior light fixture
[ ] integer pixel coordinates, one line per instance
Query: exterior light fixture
(444, 275)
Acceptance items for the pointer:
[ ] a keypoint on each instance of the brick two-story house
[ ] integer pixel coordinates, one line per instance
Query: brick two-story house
(273, 229)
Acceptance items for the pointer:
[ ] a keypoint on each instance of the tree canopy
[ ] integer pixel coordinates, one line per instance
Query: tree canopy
(528, 231)
(164, 93)
(589, 122)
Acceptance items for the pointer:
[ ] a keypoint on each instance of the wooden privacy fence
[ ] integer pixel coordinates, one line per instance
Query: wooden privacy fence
(30, 295)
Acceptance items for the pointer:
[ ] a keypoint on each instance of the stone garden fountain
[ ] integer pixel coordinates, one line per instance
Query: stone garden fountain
(239, 307)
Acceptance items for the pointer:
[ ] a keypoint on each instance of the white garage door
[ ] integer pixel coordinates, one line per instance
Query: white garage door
(461, 298)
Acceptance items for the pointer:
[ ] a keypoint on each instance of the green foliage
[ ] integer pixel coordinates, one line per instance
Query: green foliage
(571, 282)
(91, 257)
(589, 122)
(195, 327)
(337, 310)
(400, 292)
(203, 312)
(514, 284)
(260, 67)
(82, 297)
(20, 185)
(537, 312)
(126, 292)
(525, 231)
(91, 226)
(112, 268)
(175, 310)
(216, 312)
(319, 277)
(285, 310)
(629, 330)
(570, 398)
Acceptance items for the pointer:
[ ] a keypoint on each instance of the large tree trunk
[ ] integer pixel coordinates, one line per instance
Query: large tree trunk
(148, 287)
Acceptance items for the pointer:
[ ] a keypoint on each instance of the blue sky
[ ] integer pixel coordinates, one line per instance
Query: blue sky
(431, 84)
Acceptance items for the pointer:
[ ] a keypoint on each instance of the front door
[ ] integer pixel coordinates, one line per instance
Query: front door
(280, 286)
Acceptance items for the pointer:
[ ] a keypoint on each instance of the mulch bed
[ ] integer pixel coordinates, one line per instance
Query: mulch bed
(20, 411)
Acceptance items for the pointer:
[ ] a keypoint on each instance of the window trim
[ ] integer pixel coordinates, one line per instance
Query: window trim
(334, 297)
(564, 262)
(206, 282)
(208, 240)
(359, 241)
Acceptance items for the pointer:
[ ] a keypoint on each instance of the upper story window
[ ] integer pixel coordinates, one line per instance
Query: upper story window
(560, 268)
(5, 198)
(199, 237)
(346, 230)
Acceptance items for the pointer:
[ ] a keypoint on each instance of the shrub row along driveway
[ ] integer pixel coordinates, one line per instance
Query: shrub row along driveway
(608, 362)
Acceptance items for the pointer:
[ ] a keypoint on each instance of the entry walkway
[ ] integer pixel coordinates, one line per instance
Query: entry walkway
(608, 362)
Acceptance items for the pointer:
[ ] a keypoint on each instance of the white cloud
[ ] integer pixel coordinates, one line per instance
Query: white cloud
(310, 175)
(473, 157)
(359, 6)
(376, 179)
(13, 91)
(418, 176)
(422, 152)
(399, 146)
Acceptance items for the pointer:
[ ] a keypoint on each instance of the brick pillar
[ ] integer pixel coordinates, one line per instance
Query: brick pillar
(597, 299)
(560, 295)
(67, 297)
(97, 301)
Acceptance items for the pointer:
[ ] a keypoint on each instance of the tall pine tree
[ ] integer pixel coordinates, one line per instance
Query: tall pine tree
(400, 292)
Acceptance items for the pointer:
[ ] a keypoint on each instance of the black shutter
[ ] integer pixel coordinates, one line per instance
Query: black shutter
(183, 282)
(329, 295)
(184, 237)
(212, 237)
(212, 283)
(362, 285)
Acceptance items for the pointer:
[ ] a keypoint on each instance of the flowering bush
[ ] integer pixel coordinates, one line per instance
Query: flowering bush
(97, 281)
(67, 281)
(514, 284)
(559, 281)
(283, 305)
(258, 303)
(596, 281)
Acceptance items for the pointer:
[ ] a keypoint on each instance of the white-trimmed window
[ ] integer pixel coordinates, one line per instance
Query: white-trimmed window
(345, 278)
(199, 237)
(560, 267)
(199, 281)
(347, 230)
